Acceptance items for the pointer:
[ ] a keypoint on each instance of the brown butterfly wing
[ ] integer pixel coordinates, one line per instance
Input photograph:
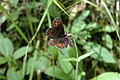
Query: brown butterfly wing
(61, 43)
(52, 42)
(57, 29)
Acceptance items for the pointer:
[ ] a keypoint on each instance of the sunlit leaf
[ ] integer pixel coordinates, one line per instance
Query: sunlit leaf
(29, 65)
(2, 19)
(6, 47)
(42, 63)
(21, 52)
(107, 41)
(101, 54)
(77, 26)
(13, 75)
(33, 19)
(54, 11)
(65, 65)
(92, 26)
(2, 71)
(84, 14)
(2, 60)
(14, 2)
(55, 71)
(108, 28)
(107, 76)
(15, 14)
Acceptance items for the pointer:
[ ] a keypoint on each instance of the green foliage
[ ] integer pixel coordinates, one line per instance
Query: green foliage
(25, 53)
(57, 72)
(66, 66)
(102, 53)
(13, 75)
(108, 76)
(20, 52)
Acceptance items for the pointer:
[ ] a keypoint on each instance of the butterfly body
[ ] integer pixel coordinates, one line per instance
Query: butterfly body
(57, 36)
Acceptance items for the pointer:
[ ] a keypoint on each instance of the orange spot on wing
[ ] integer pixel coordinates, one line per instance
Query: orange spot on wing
(60, 45)
(57, 22)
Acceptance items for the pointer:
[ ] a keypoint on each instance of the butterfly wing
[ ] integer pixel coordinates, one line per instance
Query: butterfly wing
(52, 42)
(57, 29)
(61, 43)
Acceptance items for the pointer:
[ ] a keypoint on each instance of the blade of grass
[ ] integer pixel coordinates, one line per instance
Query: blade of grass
(39, 26)
(108, 11)
(84, 56)
(13, 22)
(77, 63)
(61, 8)
(34, 59)
(29, 21)
(78, 59)
(86, 1)
(105, 14)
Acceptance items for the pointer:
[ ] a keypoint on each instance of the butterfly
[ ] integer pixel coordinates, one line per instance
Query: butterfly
(57, 35)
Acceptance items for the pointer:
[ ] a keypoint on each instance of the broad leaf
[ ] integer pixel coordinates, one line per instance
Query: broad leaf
(107, 76)
(65, 65)
(2, 60)
(55, 71)
(13, 75)
(21, 52)
(102, 53)
(107, 40)
(6, 47)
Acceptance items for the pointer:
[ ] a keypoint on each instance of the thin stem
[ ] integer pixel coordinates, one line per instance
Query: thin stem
(77, 63)
(34, 59)
(39, 26)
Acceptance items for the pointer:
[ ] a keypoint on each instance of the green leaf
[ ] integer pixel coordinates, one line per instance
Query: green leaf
(21, 52)
(101, 54)
(78, 26)
(33, 19)
(14, 2)
(29, 65)
(15, 14)
(13, 75)
(2, 60)
(35, 4)
(42, 63)
(43, 2)
(71, 52)
(65, 65)
(52, 51)
(92, 26)
(84, 15)
(107, 76)
(6, 47)
(10, 27)
(1, 36)
(2, 71)
(108, 28)
(107, 41)
(55, 71)
(2, 19)
(54, 11)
